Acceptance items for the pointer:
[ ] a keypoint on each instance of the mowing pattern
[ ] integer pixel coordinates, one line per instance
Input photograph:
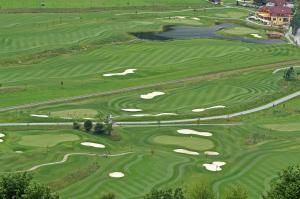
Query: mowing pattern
(154, 165)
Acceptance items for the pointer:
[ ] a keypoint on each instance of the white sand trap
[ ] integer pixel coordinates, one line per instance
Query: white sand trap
(198, 110)
(132, 110)
(212, 167)
(256, 36)
(41, 116)
(89, 118)
(2, 135)
(126, 72)
(280, 69)
(1, 140)
(219, 163)
(152, 95)
(215, 166)
(204, 109)
(101, 146)
(193, 132)
(157, 115)
(179, 17)
(164, 114)
(195, 18)
(186, 152)
(212, 153)
(117, 175)
(19, 152)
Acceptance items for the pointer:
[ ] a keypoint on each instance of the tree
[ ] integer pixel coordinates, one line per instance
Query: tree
(88, 125)
(237, 192)
(108, 196)
(201, 191)
(289, 74)
(287, 186)
(76, 125)
(99, 128)
(109, 124)
(166, 194)
(20, 186)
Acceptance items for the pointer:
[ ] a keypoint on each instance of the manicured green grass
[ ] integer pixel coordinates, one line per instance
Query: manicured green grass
(193, 143)
(46, 140)
(284, 127)
(152, 164)
(75, 113)
(95, 3)
(101, 45)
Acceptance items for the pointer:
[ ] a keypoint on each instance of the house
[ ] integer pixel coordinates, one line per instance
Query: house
(277, 12)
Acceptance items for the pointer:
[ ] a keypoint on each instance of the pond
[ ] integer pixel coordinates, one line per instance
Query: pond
(190, 32)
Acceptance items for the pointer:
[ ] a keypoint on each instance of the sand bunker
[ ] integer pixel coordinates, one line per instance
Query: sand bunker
(89, 118)
(152, 95)
(163, 114)
(215, 166)
(19, 152)
(126, 72)
(2, 135)
(41, 116)
(256, 36)
(193, 132)
(157, 115)
(132, 110)
(212, 167)
(117, 175)
(91, 144)
(204, 109)
(212, 153)
(186, 152)
(195, 18)
(1, 140)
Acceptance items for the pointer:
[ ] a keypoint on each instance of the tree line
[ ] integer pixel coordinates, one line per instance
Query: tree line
(295, 23)
(285, 186)
(100, 128)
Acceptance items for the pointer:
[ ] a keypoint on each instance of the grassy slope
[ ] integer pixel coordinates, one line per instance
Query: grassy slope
(252, 165)
(95, 3)
(35, 79)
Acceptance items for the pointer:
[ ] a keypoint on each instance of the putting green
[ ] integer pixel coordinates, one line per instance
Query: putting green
(188, 142)
(46, 140)
(75, 113)
(240, 31)
(283, 127)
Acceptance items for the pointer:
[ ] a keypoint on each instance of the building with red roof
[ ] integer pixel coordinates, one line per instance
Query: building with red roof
(276, 12)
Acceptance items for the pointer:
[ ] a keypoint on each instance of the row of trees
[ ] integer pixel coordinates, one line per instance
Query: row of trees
(295, 23)
(21, 186)
(104, 128)
(286, 186)
(290, 74)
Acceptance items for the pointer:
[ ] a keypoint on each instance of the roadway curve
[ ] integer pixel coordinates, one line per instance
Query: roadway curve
(172, 122)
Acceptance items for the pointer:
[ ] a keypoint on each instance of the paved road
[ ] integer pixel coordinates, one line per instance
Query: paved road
(257, 109)
(174, 122)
